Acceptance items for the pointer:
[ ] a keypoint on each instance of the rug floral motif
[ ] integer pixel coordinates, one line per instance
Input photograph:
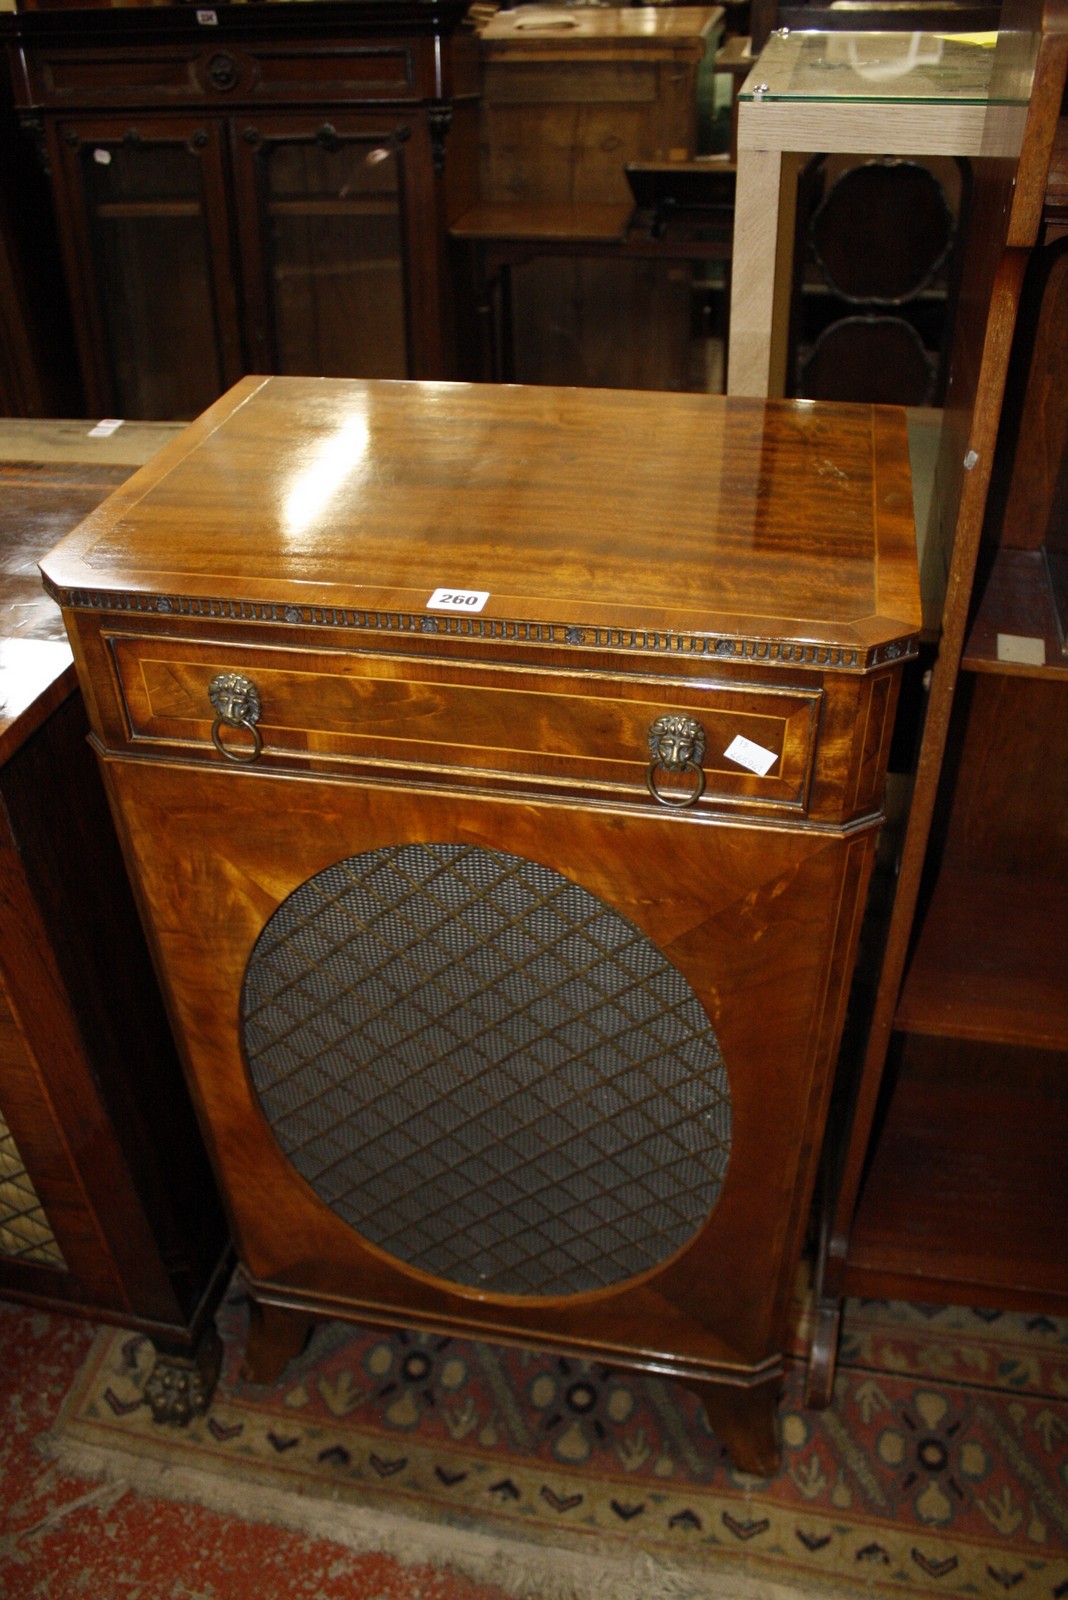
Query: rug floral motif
(941, 1467)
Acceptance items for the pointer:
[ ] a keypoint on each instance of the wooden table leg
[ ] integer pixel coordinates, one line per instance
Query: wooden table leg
(762, 264)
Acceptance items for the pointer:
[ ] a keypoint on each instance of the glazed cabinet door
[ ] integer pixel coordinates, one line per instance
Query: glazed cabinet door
(334, 282)
(145, 230)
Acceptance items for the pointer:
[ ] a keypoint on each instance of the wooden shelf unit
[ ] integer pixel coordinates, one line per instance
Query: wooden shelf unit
(947, 1169)
(1018, 601)
(966, 1199)
(981, 969)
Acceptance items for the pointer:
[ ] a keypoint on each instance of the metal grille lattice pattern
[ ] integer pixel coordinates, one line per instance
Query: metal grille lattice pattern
(485, 1070)
(25, 1232)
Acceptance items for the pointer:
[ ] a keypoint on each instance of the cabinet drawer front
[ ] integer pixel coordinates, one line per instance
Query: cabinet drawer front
(333, 72)
(120, 77)
(411, 713)
(215, 72)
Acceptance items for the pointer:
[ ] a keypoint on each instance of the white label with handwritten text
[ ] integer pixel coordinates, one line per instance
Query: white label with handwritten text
(753, 756)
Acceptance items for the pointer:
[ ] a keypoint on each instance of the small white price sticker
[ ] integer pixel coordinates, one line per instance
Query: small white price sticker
(457, 600)
(1022, 648)
(105, 428)
(208, 19)
(753, 756)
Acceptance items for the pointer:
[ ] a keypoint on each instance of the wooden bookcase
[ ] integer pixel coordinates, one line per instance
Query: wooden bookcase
(948, 1180)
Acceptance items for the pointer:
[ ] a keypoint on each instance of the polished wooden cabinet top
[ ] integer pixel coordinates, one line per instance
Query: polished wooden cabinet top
(625, 520)
(531, 26)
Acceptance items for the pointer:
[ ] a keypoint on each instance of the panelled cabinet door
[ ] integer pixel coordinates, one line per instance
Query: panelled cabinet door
(323, 221)
(514, 1067)
(144, 218)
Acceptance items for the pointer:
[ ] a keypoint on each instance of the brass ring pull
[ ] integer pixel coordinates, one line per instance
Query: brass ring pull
(236, 701)
(677, 745)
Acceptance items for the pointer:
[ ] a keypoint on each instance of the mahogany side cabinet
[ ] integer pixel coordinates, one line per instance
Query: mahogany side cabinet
(499, 771)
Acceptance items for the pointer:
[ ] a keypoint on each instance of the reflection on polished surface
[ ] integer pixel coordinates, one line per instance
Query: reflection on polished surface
(333, 463)
(52, 474)
(711, 514)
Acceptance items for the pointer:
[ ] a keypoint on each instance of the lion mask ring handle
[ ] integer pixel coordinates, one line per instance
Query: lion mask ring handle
(677, 744)
(236, 702)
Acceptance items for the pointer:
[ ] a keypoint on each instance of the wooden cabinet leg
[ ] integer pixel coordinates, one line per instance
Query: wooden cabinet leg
(746, 1420)
(826, 1305)
(275, 1336)
(823, 1353)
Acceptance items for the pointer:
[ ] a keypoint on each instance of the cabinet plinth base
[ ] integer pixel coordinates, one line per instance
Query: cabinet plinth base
(743, 1415)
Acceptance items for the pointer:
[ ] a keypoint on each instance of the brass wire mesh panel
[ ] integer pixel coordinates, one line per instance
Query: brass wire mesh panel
(25, 1232)
(485, 1070)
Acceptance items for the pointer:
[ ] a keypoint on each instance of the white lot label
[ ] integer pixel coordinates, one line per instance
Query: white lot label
(753, 756)
(457, 600)
(1020, 647)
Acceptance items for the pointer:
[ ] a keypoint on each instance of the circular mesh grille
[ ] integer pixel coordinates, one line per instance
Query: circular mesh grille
(485, 1070)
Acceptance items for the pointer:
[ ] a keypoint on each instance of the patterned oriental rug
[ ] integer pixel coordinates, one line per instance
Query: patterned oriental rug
(941, 1468)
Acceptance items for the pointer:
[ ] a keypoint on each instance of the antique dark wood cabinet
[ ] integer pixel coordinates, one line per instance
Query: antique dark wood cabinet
(107, 1204)
(251, 188)
(499, 772)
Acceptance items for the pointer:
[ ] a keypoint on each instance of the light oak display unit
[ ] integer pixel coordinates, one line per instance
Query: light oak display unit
(879, 94)
(499, 772)
(567, 290)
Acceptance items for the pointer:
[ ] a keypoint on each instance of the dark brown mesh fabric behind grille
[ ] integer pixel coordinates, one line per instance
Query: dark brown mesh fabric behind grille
(485, 1070)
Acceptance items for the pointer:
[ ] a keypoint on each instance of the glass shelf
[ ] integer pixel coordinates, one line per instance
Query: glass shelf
(921, 68)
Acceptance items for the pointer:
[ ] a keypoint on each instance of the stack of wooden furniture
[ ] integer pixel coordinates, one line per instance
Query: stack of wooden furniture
(948, 1180)
(569, 99)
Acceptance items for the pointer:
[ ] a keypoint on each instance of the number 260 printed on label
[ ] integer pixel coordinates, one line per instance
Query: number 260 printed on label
(457, 600)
